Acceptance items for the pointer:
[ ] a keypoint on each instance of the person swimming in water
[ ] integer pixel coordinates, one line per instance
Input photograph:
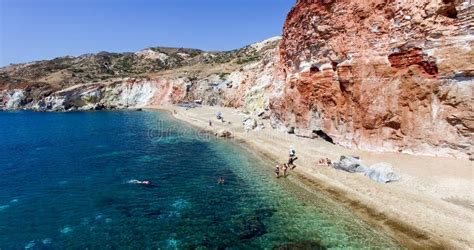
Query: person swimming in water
(220, 181)
(145, 183)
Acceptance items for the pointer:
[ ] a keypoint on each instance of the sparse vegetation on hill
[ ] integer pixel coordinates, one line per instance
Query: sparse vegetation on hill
(66, 71)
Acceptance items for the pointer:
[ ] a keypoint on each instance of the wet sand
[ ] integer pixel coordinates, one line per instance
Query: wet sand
(432, 206)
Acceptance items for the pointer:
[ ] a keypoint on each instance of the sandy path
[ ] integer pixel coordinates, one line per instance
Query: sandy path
(431, 207)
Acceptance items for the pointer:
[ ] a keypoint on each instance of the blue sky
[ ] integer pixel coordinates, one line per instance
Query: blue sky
(44, 29)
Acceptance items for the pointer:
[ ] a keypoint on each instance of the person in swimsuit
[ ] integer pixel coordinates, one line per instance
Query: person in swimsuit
(328, 162)
(285, 167)
(277, 170)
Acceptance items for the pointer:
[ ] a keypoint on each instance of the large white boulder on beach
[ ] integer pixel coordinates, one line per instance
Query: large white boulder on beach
(382, 173)
(350, 164)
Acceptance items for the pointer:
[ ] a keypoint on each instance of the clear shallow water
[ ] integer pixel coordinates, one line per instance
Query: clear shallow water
(64, 184)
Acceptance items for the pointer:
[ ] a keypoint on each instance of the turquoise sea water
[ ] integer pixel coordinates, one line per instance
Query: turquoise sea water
(64, 185)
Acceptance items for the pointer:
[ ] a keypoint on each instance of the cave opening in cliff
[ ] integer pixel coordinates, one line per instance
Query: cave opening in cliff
(449, 10)
(323, 136)
(334, 66)
(314, 69)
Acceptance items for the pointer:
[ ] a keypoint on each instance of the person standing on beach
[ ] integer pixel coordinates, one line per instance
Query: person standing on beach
(292, 151)
(277, 171)
(291, 163)
(285, 167)
(292, 158)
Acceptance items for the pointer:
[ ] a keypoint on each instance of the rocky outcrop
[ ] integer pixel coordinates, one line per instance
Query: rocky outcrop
(127, 93)
(12, 99)
(380, 75)
(153, 76)
(224, 133)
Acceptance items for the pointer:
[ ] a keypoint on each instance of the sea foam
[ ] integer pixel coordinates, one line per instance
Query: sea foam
(66, 230)
(30, 244)
(4, 207)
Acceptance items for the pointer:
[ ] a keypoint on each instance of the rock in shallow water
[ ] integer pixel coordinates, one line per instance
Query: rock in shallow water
(248, 227)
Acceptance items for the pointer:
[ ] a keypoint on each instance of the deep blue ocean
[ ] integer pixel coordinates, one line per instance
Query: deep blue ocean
(65, 184)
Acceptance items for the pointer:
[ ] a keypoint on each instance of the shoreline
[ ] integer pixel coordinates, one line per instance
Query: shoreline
(416, 216)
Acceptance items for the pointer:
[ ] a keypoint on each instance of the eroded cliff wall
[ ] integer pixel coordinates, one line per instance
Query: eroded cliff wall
(380, 75)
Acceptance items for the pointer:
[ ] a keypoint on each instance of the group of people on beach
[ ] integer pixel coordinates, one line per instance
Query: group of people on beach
(326, 162)
(281, 170)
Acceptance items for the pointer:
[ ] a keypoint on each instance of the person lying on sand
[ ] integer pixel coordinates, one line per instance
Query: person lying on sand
(321, 162)
(326, 162)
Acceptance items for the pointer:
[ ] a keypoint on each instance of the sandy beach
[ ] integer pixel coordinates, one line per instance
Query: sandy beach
(432, 206)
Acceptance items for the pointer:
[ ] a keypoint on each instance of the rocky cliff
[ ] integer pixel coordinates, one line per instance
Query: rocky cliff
(153, 76)
(380, 75)
(375, 75)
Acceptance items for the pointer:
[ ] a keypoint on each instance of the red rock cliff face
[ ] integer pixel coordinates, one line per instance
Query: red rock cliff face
(381, 75)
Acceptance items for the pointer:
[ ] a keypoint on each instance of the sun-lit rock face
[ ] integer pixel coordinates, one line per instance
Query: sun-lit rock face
(380, 75)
